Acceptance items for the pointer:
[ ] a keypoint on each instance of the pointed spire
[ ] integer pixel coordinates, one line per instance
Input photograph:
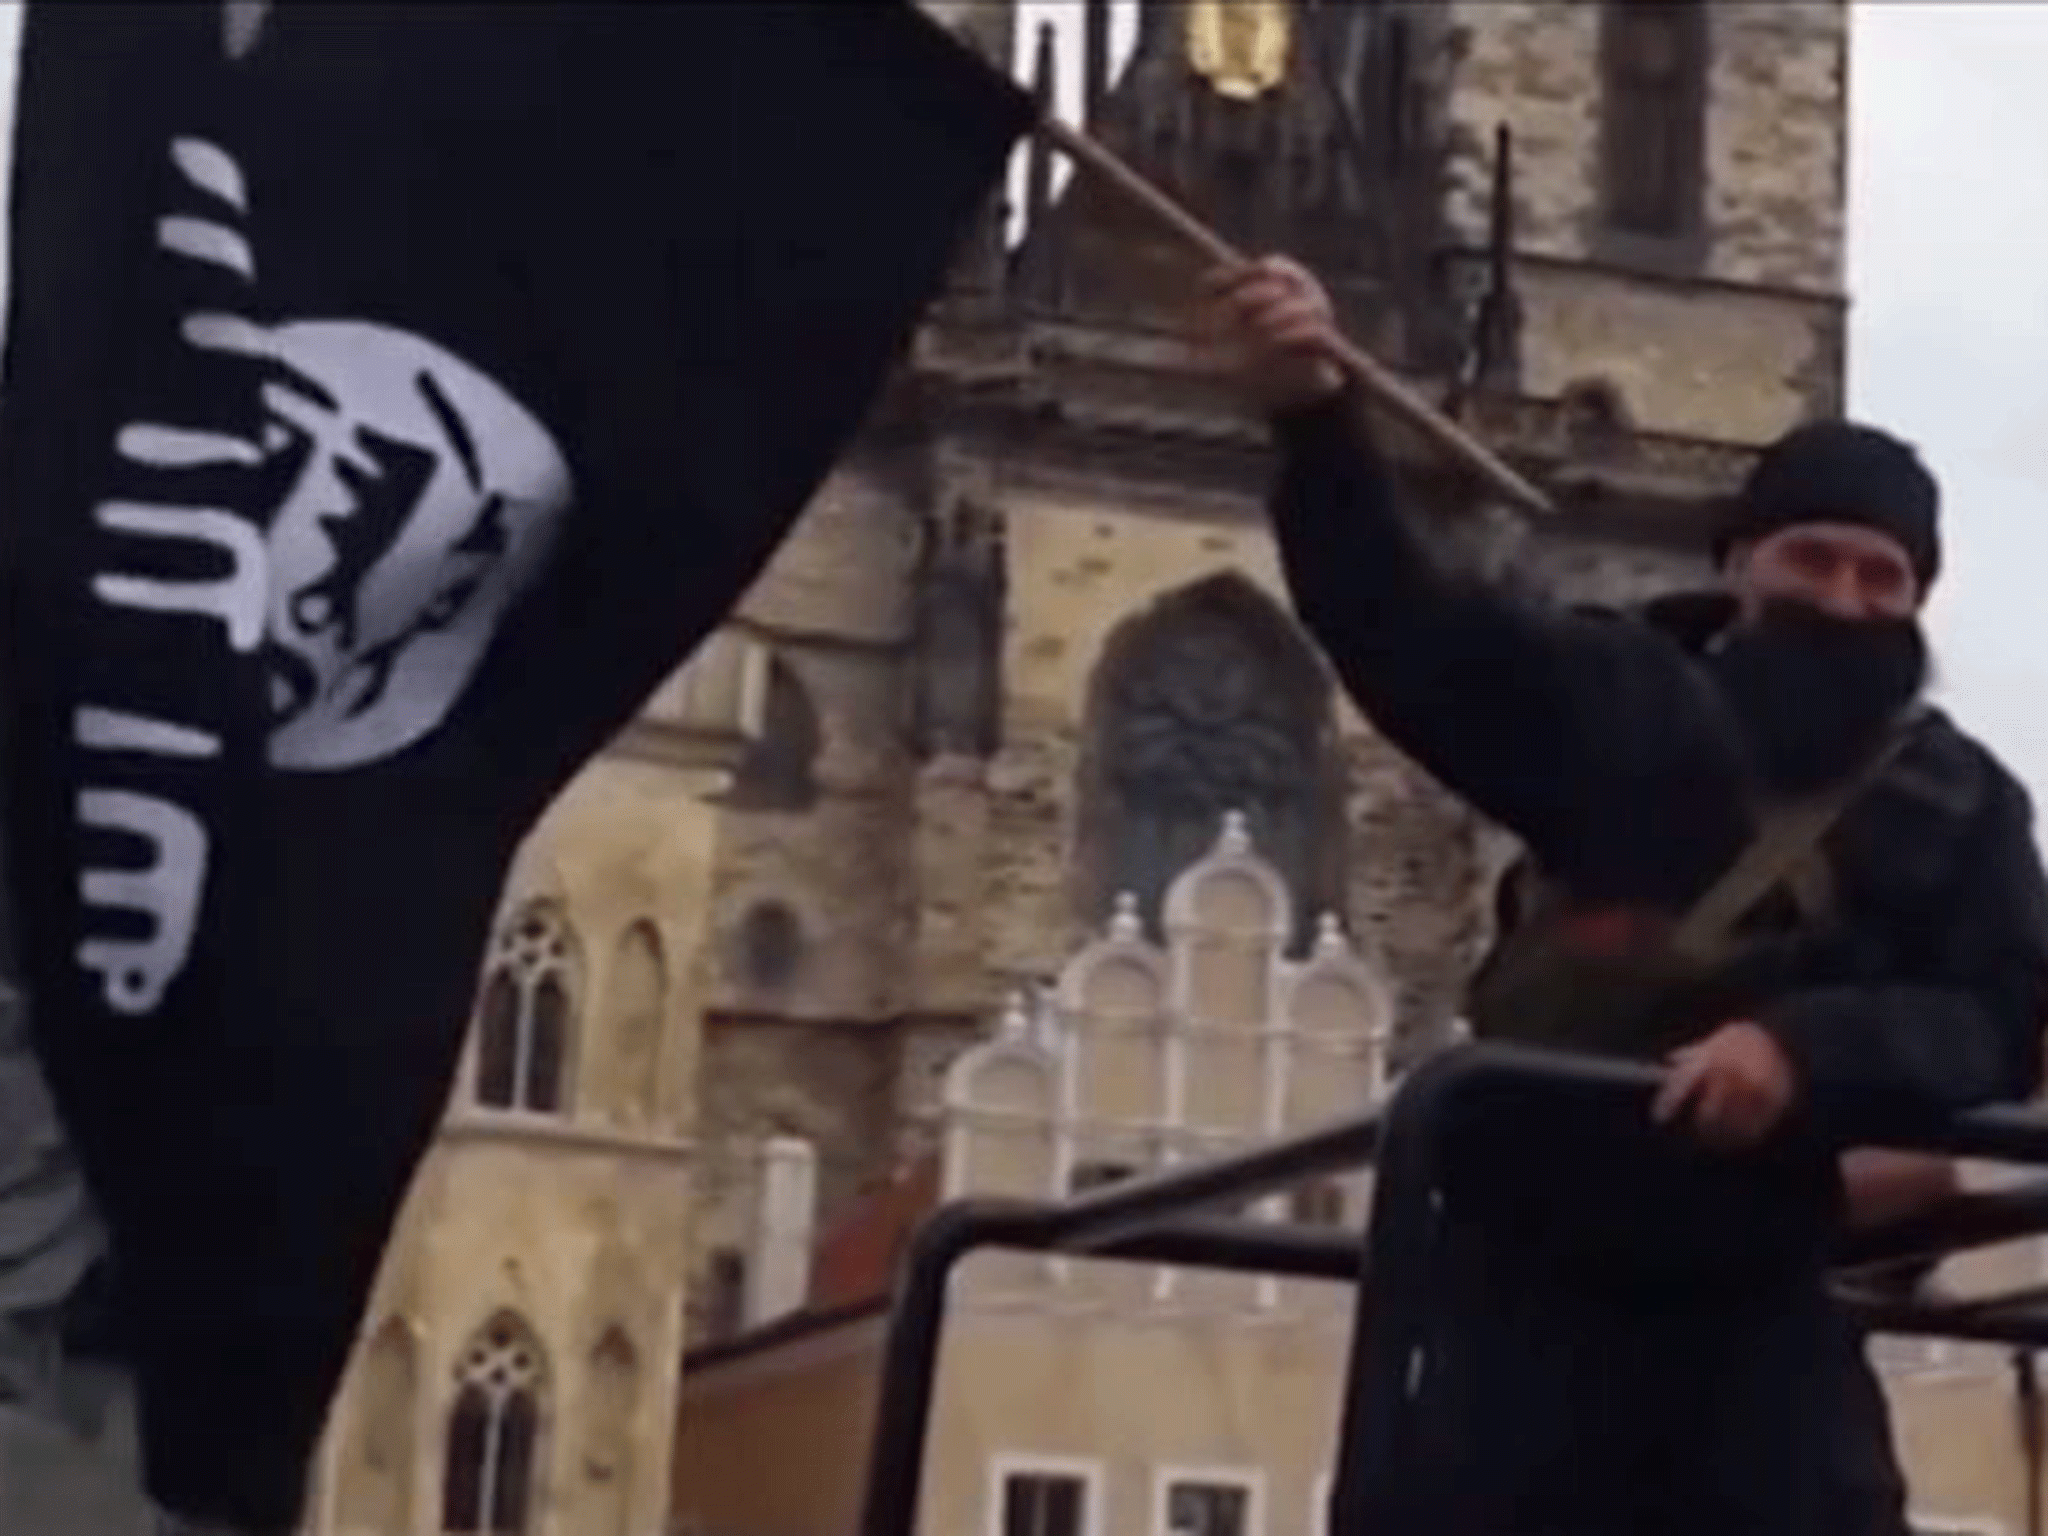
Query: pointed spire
(1125, 927)
(1155, 17)
(1045, 1018)
(1034, 279)
(1498, 342)
(1236, 837)
(1094, 60)
(1015, 1024)
(1330, 943)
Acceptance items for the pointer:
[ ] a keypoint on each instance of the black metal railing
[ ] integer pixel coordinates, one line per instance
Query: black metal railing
(1159, 1219)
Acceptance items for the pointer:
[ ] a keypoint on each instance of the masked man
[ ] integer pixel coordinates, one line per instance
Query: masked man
(1635, 1330)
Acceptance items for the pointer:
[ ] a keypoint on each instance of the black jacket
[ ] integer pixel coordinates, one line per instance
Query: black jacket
(1598, 740)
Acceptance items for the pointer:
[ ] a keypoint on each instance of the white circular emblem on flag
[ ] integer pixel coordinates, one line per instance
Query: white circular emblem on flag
(423, 499)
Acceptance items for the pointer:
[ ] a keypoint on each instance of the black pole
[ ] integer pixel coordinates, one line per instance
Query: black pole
(910, 1352)
(910, 1359)
(1141, 1219)
(2027, 1392)
(1094, 62)
(1391, 1319)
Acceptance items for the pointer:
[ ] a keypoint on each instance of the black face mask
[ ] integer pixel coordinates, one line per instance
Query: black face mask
(1814, 693)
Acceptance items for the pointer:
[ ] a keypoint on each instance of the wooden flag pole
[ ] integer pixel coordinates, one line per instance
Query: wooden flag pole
(1385, 390)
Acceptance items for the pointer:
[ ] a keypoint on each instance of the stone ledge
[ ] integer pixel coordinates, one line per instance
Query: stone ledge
(715, 757)
(1218, 466)
(472, 1124)
(1691, 281)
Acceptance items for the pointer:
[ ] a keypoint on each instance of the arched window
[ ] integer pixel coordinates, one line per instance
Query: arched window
(375, 1491)
(1209, 703)
(638, 1007)
(524, 1015)
(778, 771)
(1654, 58)
(493, 1433)
(608, 1464)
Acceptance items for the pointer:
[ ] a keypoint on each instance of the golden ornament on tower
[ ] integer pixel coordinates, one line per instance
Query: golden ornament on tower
(1239, 46)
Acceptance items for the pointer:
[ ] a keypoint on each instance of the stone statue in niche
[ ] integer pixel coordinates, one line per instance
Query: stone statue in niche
(1202, 719)
(961, 587)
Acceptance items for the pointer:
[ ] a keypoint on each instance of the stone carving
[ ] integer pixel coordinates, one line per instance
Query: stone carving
(1211, 706)
(961, 588)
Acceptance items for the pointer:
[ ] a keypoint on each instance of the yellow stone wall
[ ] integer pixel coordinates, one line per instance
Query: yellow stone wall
(1955, 1411)
(1957, 1430)
(576, 1224)
(1121, 1400)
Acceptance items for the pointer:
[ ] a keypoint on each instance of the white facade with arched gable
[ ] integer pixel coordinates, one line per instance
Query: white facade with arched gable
(1140, 1056)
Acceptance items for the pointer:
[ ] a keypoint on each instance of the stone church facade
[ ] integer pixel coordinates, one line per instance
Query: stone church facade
(1030, 645)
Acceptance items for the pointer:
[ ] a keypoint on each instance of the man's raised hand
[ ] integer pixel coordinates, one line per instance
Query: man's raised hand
(1279, 328)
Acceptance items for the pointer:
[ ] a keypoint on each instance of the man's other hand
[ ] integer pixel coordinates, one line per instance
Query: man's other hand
(1733, 1088)
(1881, 1187)
(1279, 330)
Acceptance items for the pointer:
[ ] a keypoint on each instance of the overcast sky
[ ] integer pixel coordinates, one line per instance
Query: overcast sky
(1948, 274)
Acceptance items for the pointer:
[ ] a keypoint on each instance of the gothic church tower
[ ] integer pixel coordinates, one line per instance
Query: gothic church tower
(1030, 645)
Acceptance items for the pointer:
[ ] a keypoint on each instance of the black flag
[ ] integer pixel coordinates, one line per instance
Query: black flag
(390, 406)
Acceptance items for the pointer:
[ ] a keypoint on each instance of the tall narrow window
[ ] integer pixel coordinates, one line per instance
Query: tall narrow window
(638, 1004)
(1655, 65)
(375, 1479)
(779, 770)
(524, 1013)
(493, 1431)
(612, 1399)
(1044, 1504)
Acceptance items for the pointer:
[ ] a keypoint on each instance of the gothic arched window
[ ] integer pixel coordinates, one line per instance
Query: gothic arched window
(1654, 67)
(487, 1484)
(524, 1015)
(1209, 703)
(778, 771)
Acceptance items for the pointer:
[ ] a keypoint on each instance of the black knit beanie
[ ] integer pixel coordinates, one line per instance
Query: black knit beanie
(1839, 472)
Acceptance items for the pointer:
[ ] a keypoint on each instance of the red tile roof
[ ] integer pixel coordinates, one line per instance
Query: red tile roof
(856, 1259)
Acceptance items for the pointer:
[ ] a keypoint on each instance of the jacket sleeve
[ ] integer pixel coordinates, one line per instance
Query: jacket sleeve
(1528, 713)
(1964, 1031)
